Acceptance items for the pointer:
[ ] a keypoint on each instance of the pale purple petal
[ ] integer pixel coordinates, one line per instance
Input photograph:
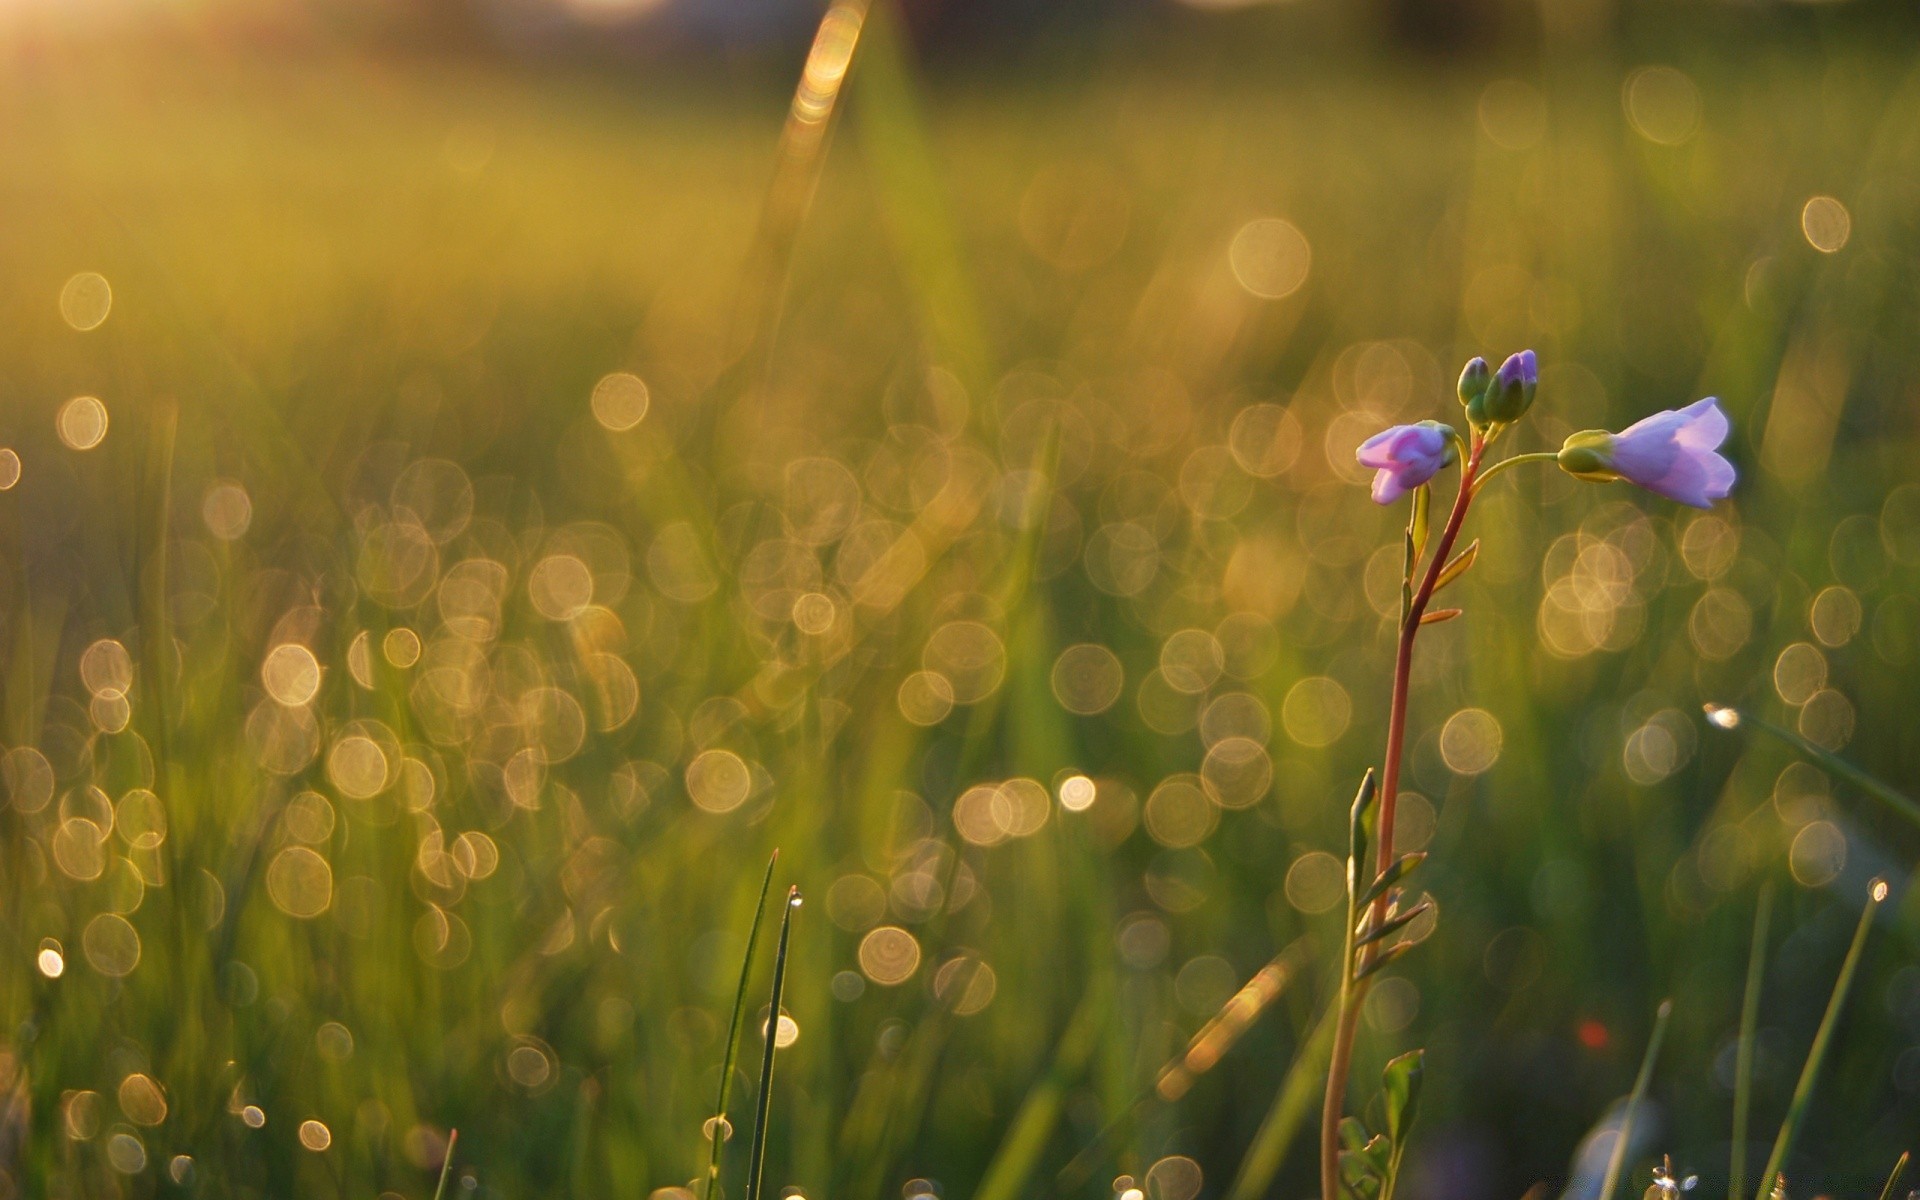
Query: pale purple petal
(1673, 454)
(1404, 457)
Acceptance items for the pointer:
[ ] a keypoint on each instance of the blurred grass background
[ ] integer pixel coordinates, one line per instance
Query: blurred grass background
(649, 488)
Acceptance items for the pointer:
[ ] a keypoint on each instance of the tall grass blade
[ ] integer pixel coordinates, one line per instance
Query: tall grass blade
(717, 1128)
(1743, 1054)
(1617, 1161)
(1893, 1180)
(1008, 1174)
(756, 1159)
(446, 1164)
(1822, 1038)
(1292, 1105)
(1733, 719)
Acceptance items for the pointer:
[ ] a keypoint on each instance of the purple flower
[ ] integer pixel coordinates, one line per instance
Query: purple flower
(1404, 457)
(1673, 454)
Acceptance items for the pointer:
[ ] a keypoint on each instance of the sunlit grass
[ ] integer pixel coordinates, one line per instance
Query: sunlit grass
(431, 589)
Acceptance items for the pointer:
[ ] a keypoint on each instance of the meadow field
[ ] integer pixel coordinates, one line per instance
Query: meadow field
(462, 513)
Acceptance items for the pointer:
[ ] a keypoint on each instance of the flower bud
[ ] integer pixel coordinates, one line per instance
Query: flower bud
(1510, 393)
(1589, 455)
(1473, 381)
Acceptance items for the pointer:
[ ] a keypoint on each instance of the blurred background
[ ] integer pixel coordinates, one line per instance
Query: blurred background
(478, 475)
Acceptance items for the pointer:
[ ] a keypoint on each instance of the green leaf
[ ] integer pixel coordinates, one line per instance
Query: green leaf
(1458, 565)
(1358, 829)
(1400, 1084)
(1368, 933)
(1400, 869)
(1400, 1090)
(1419, 524)
(1381, 960)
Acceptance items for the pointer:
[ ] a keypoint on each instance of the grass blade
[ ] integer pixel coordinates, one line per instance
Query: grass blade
(1733, 718)
(446, 1164)
(717, 1128)
(1893, 1180)
(1617, 1161)
(1011, 1169)
(756, 1159)
(1743, 1054)
(1293, 1104)
(1810, 1073)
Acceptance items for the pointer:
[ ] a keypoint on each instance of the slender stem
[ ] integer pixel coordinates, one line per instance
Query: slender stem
(1617, 1161)
(1503, 464)
(1817, 1054)
(1403, 669)
(446, 1164)
(1743, 1055)
(757, 1156)
(718, 1129)
(1352, 992)
(1723, 717)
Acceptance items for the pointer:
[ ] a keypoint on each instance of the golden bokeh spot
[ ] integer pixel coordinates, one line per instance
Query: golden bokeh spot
(889, 955)
(1826, 223)
(1179, 813)
(1316, 711)
(1270, 258)
(141, 1100)
(106, 669)
(82, 422)
(85, 300)
(1175, 1177)
(620, 401)
(718, 781)
(1316, 882)
(9, 468)
(315, 1136)
(1470, 741)
(1662, 104)
(112, 944)
(300, 882)
(291, 674)
(560, 586)
(965, 984)
(227, 511)
(925, 698)
(401, 647)
(358, 766)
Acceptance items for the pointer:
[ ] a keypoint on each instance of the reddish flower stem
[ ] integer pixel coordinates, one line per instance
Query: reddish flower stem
(1351, 993)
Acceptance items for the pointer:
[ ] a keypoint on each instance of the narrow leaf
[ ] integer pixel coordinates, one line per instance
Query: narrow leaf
(1357, 827)
(1743, 1053)
(1401, 868)
(757, 1156)
(446, 1164)
(1400, 1084)
(1421, 522)
(1366, 935)
(1618, 1159)
(718, 1128)
(1297, 1097)
(1458, 565)
(1822, 1038)
(1382, 960)
(1893, 1180)
(1400, 1087)
(1438, 615)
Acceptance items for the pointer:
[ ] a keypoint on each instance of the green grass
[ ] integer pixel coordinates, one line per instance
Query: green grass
(989, 413)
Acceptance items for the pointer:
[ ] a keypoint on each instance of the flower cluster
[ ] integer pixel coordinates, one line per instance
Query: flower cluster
(1673, 453)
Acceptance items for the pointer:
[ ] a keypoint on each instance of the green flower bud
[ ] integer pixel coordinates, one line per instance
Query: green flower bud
(1589, 455)
(1473, 382)
(1510, 393)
